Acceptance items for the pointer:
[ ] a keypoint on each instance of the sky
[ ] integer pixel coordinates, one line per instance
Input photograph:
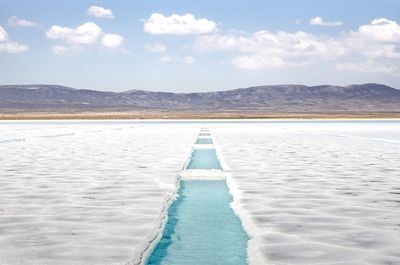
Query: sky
(198, 45)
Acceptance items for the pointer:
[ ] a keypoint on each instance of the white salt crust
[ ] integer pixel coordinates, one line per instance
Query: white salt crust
(87, 192)
(307, 193)
(308, 196)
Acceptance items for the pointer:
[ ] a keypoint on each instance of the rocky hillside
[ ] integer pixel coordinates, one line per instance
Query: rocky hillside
(274, 98)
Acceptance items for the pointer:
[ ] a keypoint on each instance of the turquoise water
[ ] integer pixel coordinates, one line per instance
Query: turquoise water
(204, 141)
(201, 228)
(204, 159)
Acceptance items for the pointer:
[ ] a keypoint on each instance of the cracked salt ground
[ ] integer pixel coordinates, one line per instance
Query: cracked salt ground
(306, 192)
(308, 197)
(94, 196)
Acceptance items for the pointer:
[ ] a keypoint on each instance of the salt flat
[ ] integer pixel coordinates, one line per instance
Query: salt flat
(96, 192)
(86, 192)
(316, 192)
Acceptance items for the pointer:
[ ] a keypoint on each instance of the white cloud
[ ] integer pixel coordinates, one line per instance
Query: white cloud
(6, 45)
(265, 49)
(284, 44)
(112, 41)
(13, 47)
(381, 30)
(165, 59)
(156, 47)
(20, 22)
(100, 12)
(216, 42)
(379, 39)
(66, 50)
(376, 44)
(318, 21)
(257, 61)
(88, 34)
(189, 60)
(368, 66)
(3, 35)
(178, 24)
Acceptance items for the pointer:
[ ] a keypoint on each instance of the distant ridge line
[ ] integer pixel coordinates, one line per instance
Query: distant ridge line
(370, 97)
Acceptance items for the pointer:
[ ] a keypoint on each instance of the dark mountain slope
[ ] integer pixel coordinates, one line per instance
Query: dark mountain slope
(275, 98)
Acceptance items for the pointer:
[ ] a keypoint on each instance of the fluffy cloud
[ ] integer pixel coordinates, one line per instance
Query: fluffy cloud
(88, 34)
(379, 39)
(284, 44)
(376, 43)
(3, 35)
(178, 25)
(257, 61)
(13, 47)
(6, 45)
(112, 41)
(62, 50)
(100, 12)
(318, 21)
(267, 49)
(381, 30)
(156, 47)
(20, 22)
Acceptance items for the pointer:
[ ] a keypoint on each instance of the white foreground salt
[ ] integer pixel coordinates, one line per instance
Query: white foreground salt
(316, 193)
(86, 192)
(97, 192)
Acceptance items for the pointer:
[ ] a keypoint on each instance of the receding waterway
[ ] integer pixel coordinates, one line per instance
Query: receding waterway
(204, 141)
(204, 159)
(201, 228)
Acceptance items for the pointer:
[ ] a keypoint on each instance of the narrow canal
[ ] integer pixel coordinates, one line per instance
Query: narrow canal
(202, 227)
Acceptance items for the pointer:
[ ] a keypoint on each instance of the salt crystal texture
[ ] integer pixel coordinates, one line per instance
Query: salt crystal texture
(86, 192)
(92, 192)
(316, 192)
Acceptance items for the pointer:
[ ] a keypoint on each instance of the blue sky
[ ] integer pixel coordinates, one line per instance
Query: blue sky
(203, 45)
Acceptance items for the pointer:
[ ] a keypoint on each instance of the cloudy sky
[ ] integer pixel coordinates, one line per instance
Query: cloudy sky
(198, 45)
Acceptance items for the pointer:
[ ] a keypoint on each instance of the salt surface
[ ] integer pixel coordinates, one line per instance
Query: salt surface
(86, 192)
(316, 193)
(97, 192)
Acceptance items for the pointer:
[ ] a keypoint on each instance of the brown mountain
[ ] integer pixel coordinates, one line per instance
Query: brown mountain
(274, 98)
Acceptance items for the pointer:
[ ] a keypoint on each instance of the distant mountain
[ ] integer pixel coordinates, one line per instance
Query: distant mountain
(274, 98)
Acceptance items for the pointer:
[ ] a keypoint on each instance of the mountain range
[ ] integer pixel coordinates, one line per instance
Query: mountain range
(272, 98)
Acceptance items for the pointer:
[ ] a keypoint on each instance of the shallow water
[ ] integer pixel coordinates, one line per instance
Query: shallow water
(201, 228)
(204, 141)
(204, 159)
